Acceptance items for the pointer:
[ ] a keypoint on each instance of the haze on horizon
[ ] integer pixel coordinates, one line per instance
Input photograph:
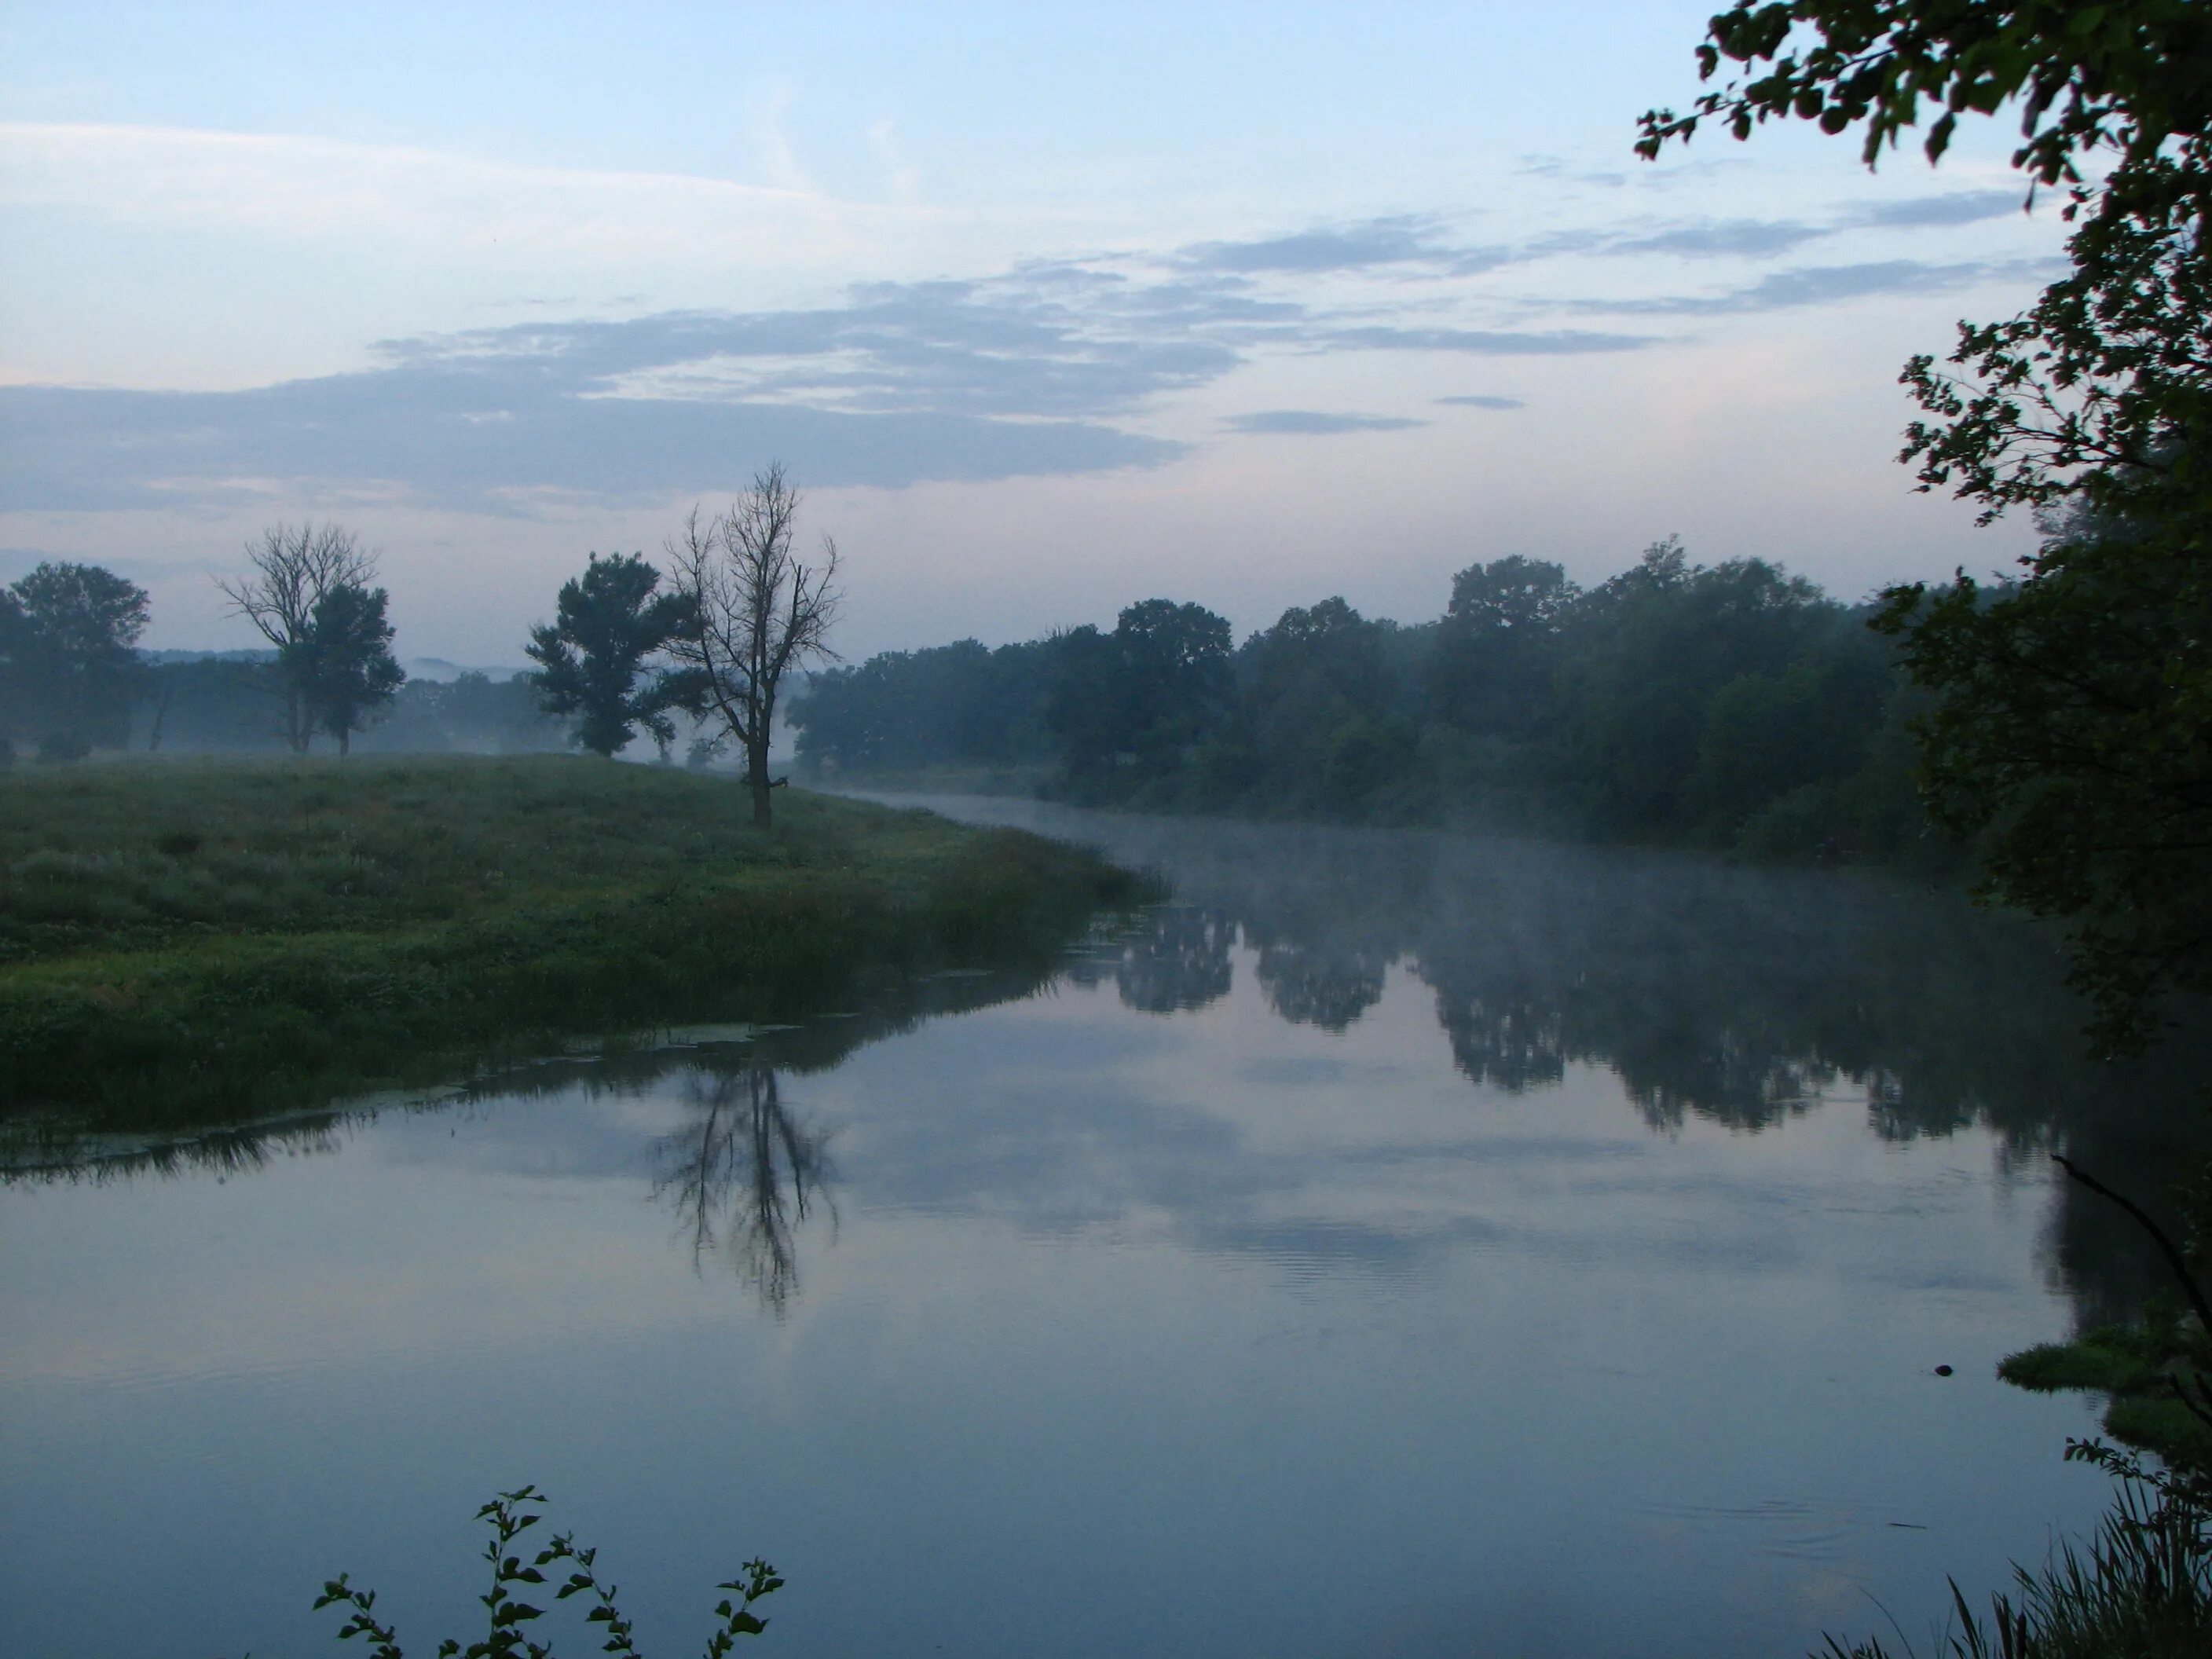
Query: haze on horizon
(1047, 310)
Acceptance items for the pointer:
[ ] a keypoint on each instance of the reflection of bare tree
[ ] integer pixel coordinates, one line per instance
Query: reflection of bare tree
(1183, 962)
(744, 1177)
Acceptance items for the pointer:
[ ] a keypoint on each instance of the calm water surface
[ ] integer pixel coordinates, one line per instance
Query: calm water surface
(1396, 1246)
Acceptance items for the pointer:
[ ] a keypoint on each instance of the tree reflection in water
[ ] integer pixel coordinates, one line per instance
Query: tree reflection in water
(743, 1176)
(1180, 962)
(1737, 997)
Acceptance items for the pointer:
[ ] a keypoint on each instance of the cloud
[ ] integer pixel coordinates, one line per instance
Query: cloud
(1018, 375)
(430, 438)
(1482, 400)
(1709, 238)
(1033, 371)
(1488, 343)
(1756, 238)
(303, 187)
(1963, 206)
(1309, 422)
(1362, 245)
(1820, 285)
(990, 349)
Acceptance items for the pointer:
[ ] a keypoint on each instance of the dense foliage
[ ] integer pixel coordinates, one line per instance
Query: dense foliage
(343, 663)
(595, 659)
(1729, 705)
(2073, 727)
(68, 670)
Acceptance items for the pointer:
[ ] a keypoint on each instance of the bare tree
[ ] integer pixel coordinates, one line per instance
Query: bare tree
(294, 571)
(754, 611)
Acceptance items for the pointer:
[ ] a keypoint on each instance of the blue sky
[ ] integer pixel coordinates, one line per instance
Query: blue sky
(1050, 308)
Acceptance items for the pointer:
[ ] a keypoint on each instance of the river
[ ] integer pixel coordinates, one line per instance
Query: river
(1396, 1245)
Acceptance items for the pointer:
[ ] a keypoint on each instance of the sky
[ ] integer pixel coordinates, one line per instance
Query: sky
(1048, 309)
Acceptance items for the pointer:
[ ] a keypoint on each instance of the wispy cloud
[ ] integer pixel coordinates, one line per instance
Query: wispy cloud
(430, 439)
(1741, 239)
(1315, 423)
(1047, 367)
(1036, 370)
(1361, 244)
(311, 188)
(1825, 285)
(1962, 207)
(1486, 342)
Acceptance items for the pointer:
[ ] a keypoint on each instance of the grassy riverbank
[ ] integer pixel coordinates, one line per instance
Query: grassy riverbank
(186, 940)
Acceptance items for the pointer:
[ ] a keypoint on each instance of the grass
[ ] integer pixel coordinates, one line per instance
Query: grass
(2137, 1370)
(2141, 1588)
(192, 941)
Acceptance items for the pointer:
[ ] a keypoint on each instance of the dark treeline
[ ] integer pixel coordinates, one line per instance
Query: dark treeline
(1731, 705)
(73, 680)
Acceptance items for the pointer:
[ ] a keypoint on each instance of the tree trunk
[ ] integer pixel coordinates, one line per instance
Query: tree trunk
(756, 780)
(297, 733)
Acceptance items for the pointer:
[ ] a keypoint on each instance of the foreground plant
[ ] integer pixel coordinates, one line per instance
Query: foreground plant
(511, 1579)
(2143, 1591)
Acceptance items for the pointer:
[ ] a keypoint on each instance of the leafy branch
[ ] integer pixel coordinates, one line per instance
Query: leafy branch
(509, 1515)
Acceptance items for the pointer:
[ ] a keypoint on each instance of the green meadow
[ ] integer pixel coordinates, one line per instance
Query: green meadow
(189, 940)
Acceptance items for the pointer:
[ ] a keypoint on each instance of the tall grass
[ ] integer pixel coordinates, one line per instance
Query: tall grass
(2140, 1587)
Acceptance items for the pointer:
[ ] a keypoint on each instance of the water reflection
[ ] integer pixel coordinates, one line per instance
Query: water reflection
(1180, 962)
(1737, 997)
(1741, 996)
(1579, 1224)
(743, 1175)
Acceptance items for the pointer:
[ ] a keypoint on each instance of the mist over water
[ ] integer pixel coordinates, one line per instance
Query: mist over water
(1395, 1244)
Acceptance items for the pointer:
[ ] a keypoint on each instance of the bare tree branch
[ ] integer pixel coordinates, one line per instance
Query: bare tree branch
(756, 610)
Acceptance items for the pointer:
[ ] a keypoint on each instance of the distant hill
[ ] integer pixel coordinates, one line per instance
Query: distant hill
(445, 672)
(437, 670)
(157, 657)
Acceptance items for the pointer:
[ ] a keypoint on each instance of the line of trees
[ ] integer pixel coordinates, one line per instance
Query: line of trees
(72, 678)
(628, 652)
(1731, 704)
